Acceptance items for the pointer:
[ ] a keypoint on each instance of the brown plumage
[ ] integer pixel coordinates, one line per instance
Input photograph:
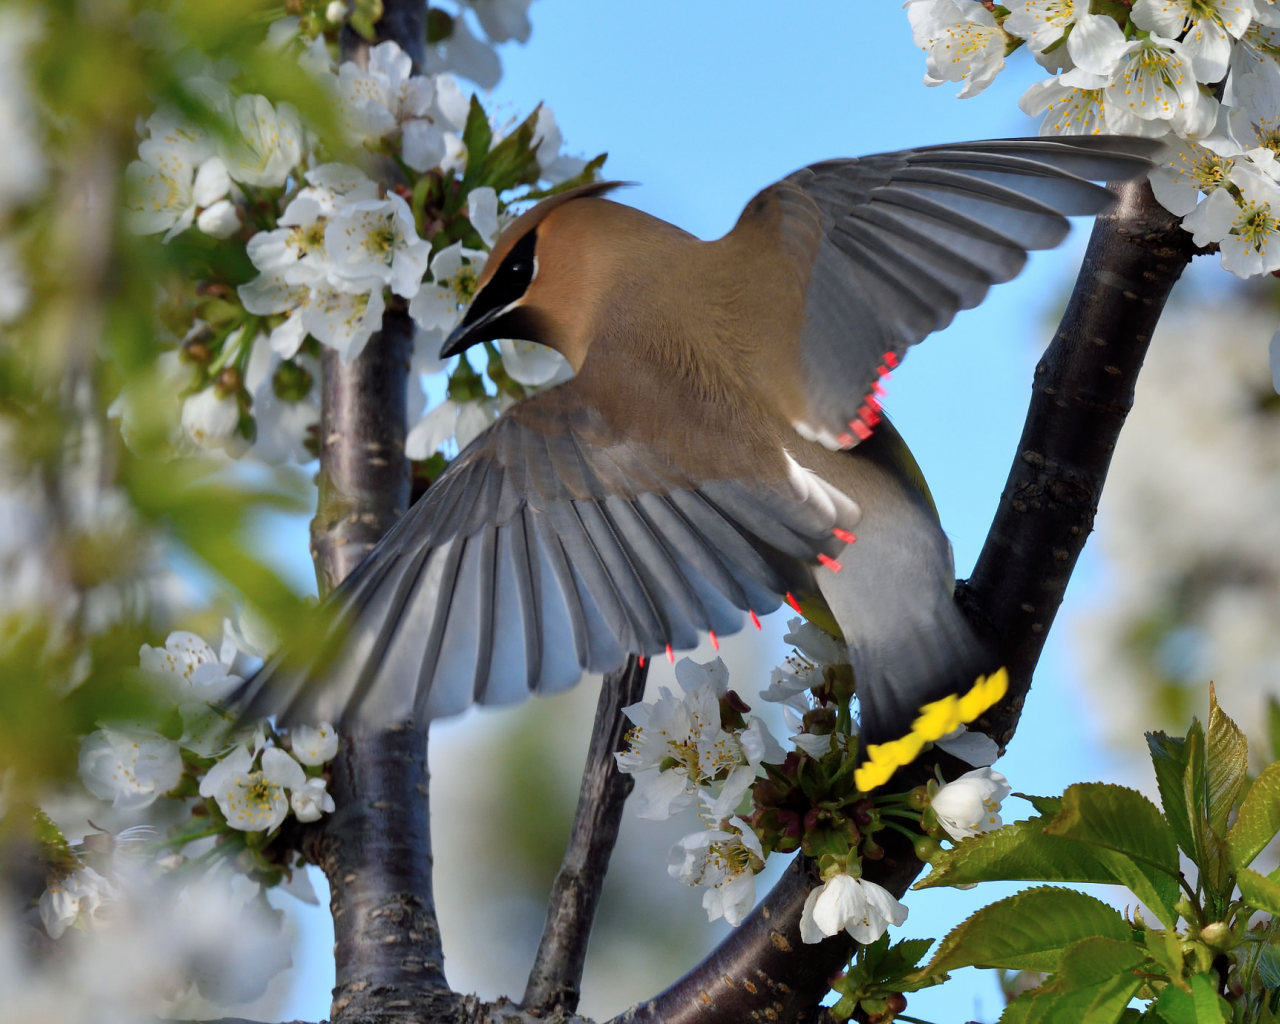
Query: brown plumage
(704, 462)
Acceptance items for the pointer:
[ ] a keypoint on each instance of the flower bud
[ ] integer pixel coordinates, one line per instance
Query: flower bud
(926, 849)
(336, 12)
(1217, 936)
(229, 382)
(196, 352)
(291, 382)
(864, 813)
(896, 1003)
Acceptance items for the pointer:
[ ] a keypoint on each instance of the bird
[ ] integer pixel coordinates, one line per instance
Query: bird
(720, 449)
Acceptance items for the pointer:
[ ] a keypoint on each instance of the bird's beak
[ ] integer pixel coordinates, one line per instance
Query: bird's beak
(469, 332)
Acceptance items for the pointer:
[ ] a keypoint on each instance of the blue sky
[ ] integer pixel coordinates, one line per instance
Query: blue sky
(702, 104)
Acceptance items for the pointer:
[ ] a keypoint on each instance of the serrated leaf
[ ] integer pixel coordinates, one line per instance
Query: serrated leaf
(1259, 819)
(1226, 765)
(1204, 993)
(1102, 1003)
(1018, 852)
(1046, 806)
(1169, 758)
(1129, 835)
(1258, 891)
(1094, 984)
(1193, 785)
(901, 959)
(1029, 931)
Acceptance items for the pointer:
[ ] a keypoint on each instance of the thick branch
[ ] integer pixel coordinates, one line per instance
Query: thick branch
(1081, 394)
(376, 849)
(1082, 391)
(556, 977)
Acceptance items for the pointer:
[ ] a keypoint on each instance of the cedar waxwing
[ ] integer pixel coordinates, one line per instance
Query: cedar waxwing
(720, 449)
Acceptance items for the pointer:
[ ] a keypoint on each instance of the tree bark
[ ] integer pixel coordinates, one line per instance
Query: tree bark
(376, 849)
(1081, 394)
(556, 977)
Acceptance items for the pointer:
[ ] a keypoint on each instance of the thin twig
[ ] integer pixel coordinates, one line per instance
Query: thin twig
(556, 977)
(1082, 391)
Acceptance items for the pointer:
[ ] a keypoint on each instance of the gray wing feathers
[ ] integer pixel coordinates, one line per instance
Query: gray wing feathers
(523, 566)
(911, 238)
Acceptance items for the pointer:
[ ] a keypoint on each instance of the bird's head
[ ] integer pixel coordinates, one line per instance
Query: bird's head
(528, 281)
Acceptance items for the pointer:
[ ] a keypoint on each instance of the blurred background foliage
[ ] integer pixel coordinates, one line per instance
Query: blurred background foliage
(103, 548)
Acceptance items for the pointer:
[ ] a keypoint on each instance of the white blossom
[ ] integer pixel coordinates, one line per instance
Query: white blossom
(971, 804)
(164, 189)
(1068, 109)
(1246, 228)
(191, 665)
(377, 240)
(503, 20)
(723, 861)
(554, 165)
(975, 748)
(432, 431)
(253, 801)
(220, 220)
(961, 40)
(344, 320)
(1189, 169)
(130, 766)
(440, 302)
(1042, 22)
(314, 745)
(1153, 81)
(533, 365)
(482, 211)
(269, 143)
(1206, 28)
(74, 900)
(861, 908)
(463, 52)
(211, 420)
(310, 800)
(283, 424)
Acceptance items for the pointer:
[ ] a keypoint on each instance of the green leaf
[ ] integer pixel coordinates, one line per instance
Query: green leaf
(1165, 949)
(1226, 765)
(1029, 931)
(1273, 727)
(477, 135)
(1094, 985)
(1258, 820)
(1129, 836)
(1169, 758)
(1258, 891)
(1208, 1005)
(1018, 852)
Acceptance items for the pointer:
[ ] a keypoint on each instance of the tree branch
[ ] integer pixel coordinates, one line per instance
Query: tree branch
(376, 849)
(1082, 391)
(556, 977)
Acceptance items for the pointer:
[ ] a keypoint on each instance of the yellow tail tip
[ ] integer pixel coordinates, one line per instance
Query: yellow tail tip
(936, 719)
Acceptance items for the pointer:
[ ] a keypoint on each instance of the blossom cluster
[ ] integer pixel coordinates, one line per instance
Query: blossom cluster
(224, 783)
(333, 249)
(700, 750)
(1203, 74)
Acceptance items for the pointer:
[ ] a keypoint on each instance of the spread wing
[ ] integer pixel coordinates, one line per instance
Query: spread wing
(900, 242)
(555, 543)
